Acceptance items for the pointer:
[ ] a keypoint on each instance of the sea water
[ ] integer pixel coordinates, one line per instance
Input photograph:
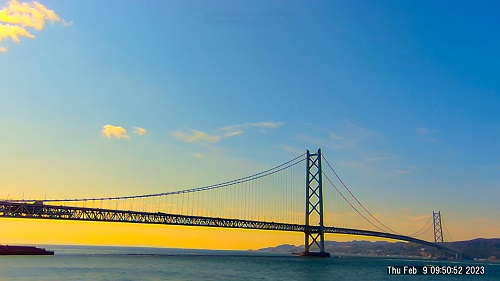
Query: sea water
(126, 263)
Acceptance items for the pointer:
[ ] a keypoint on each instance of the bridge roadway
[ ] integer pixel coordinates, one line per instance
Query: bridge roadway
(41, 211)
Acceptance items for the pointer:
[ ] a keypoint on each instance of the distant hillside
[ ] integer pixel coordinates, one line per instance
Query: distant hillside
(477, 248)
(284, 248)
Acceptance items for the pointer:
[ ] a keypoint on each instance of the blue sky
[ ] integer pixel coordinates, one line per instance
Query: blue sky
(402, 96)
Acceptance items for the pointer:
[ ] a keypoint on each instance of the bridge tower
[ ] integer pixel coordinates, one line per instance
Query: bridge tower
(314, 207)
(438, 230)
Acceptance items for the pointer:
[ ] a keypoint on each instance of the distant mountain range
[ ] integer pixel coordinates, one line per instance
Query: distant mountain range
(478, 248)
(474, 249)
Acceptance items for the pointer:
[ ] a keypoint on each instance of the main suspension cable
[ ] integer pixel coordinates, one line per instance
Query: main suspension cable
(265, 173)
(331, 168)
(345, 199)
(415, 233)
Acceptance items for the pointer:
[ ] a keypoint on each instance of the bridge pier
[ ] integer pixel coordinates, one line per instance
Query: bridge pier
(314, 207)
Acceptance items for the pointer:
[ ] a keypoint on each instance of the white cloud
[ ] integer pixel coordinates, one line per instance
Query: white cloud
(13, 32)
(16, 17)
(140, 131)
(111, 131)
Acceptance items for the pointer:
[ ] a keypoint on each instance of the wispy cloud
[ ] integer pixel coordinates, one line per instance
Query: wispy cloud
(16, 17)
(292, 149)
(374, 159)
(416, 218)
(111, 131)
(192, 135)
(341, 142)
(415, 221)
(319, 141)
(406, 172)
(345, 136)
(270, 125)
(198, 136)
(198, 155)
(427, 134)
(238, 128)
(140, 131)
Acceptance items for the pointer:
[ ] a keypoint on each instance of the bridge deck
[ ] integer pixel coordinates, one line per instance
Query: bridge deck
(40, 211)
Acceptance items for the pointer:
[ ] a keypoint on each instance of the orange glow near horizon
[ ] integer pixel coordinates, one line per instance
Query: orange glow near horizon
(33, 231)
(30, 231)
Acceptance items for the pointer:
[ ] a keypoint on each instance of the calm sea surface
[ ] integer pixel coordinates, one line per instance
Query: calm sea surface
(123, 263)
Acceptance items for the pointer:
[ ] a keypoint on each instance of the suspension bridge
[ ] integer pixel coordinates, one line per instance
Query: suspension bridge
(274, 199)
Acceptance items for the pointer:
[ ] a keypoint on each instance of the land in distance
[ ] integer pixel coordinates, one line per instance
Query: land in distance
(481, 248)
(23, 250)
